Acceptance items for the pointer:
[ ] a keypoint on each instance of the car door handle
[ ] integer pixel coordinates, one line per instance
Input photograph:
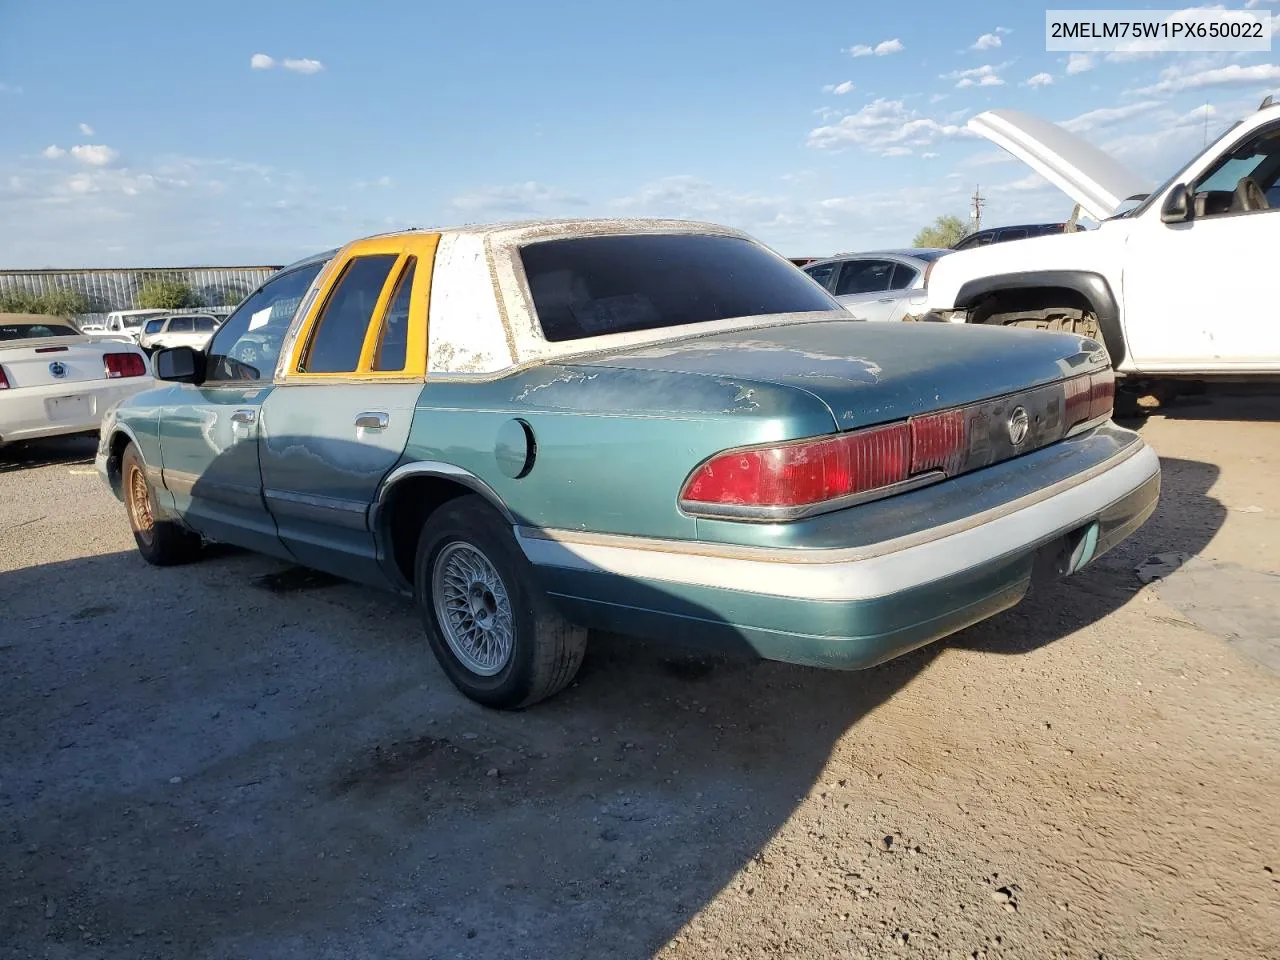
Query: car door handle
(245, 416)
(373, 420)
(887, 299)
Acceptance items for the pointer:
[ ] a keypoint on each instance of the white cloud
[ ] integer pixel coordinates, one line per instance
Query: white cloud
(94, 154)
(86, 130)
(53, 151)
(1174, 81)
(1040, 80)
(897, 152)
(383, 181)
(1108, 116)
(983, 76)
(881, 49)
(988, 41)
(82, 183)
(1079, 63)
(928, 155)
(882, 124)
(304, 65)
(260, 61)
(1004, 30)
(839, 89)
(938, 97)
(527, 197)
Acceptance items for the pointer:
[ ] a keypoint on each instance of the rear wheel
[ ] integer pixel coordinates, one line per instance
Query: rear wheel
(491, 627)
(161, 542)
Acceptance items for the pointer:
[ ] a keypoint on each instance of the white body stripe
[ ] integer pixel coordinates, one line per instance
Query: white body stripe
(859, 579)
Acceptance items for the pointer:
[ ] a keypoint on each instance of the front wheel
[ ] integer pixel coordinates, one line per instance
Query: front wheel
(490, 626)
(1056, 319)
(161, 542)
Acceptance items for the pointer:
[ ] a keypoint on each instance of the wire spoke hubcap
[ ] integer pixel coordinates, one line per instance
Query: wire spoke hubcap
(473, 609)
(140, 504)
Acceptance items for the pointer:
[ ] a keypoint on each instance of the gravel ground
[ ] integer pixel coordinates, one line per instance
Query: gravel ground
(231, 760)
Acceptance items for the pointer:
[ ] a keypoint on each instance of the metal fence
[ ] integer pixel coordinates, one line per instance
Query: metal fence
(108, 290)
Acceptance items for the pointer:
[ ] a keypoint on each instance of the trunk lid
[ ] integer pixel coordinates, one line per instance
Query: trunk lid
(33, 363)
(1089, 176)
(870, 373)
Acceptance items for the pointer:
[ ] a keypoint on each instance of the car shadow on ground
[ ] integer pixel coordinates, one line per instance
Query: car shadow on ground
(28, 454)
(194, 763)
(1238, 402)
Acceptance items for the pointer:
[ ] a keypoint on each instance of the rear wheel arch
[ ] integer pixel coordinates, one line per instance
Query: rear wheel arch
(408, 497)
(1035, 294)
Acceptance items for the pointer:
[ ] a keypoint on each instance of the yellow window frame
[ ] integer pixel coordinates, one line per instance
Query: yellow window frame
(405, 246)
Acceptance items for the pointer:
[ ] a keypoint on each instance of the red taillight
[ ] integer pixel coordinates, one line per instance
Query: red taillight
(1090, 397)
(123, 365)
(4, 381)
(1103, 394)
(801, 474)
(939, 441)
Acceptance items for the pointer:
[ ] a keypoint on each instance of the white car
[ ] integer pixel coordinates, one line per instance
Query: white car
(180, 330)
(881, 285)
(55, 380)
(1179, 285)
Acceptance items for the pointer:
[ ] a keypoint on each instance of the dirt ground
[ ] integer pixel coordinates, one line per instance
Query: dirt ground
(228, 760)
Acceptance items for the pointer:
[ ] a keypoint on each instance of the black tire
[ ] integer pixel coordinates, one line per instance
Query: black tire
(161, 542)
(545, 649)
(1055, 319)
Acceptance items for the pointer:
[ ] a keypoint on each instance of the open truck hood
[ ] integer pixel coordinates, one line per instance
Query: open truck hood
(1089, 176)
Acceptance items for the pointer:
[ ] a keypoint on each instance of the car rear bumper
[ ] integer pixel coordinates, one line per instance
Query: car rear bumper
(58, 409)
(847, 609)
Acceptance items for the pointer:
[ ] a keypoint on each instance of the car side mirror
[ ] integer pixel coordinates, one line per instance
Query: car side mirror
(178, 365)
(1177, 205)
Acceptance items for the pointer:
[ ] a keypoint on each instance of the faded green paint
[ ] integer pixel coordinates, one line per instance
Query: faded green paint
(868, 373)
(615, 436)
(834, 634)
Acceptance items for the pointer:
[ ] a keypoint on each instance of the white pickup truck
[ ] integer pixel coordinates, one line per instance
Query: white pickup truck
(1178, 286)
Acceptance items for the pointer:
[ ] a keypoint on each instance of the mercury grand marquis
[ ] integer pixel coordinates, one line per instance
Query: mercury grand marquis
(648, 427)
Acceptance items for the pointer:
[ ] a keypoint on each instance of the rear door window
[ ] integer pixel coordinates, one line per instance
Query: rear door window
(204, 324)
(181, 325)
(592, 286)
(903, 276)
(864, 276)
(1015, 234)
(822, 273)
(338, 334)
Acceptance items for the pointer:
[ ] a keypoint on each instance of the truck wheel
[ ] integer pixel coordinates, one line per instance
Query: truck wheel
(1056, 319)
(161, 542)
(492, 628)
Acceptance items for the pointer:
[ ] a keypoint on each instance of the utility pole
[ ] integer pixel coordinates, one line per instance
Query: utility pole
(975, 214)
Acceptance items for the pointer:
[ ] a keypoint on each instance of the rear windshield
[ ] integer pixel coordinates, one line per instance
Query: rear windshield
(591, 286)
(154, 326)
(35, 331)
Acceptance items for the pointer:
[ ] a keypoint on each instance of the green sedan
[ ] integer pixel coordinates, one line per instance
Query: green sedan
(658, 428)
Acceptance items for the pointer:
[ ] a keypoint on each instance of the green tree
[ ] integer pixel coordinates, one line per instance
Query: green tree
(159, 293)
(19, 301)
(946, 231)
(64, 303)
(56, 303)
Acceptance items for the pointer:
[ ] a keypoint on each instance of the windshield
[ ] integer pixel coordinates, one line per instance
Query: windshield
(593, 286)
(34, 331)
(1150, 198)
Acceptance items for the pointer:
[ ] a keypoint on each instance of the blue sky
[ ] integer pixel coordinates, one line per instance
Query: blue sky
(140, 133)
